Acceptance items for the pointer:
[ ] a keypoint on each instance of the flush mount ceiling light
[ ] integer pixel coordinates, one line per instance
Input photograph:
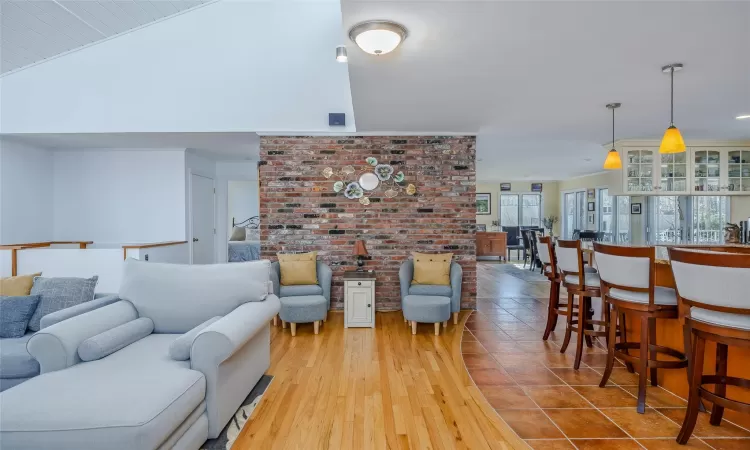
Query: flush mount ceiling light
(672, 141)
(377, 37)
(613, 158)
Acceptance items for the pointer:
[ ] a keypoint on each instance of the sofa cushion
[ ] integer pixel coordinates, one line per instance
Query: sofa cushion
(179, 349)
(15, 313)
(430, 289)
(18, 285)
(304, 289)
(238, 234)
(298, 268)
(15, 361)
(303, 308)
(134, 398)
(432, 268)
(178, 297)
(426, 309)
(114, 339)
(60, 293)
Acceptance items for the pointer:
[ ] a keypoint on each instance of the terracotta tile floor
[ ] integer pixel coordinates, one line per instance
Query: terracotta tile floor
(534, 388)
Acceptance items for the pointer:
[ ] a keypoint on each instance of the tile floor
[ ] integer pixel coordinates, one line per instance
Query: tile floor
(534, 388)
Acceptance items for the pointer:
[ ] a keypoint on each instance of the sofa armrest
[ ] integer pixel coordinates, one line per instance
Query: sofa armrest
(67, 313)
(457, 275)
(276, 278)
(325, 275)
(56, 347)
(222, 338)
(405, 275)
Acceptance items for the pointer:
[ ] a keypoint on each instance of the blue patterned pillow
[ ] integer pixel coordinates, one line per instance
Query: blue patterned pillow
(15, 313)
(60, 293)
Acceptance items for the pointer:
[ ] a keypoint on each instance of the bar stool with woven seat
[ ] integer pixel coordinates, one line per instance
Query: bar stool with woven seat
(712, 291)
(584, 284)
(627, 280)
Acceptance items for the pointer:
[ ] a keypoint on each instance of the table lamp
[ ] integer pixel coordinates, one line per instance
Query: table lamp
(360, 252)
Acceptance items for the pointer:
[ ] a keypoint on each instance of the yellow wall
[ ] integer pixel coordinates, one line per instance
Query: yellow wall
(550, 198)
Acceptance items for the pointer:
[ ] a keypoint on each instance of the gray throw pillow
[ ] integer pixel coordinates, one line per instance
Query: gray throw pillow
(15, 313)
(238, 234)
(60, 293)
(114, 339)
(179, 350)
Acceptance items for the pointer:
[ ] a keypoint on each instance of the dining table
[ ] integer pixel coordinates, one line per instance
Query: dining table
(669, 332)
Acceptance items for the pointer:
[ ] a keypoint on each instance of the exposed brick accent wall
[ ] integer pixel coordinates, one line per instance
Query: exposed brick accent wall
(300, 212)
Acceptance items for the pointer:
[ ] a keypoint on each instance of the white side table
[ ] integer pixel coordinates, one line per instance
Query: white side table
(359, 299)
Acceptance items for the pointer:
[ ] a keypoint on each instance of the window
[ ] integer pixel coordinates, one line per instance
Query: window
(520, 209)
(684, 219)
(623, 219)
(606, 215)
(666, 220)
(574, 217)
(614, 217)
(709, 214)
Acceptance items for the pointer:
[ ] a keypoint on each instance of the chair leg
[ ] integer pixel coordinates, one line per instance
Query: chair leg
(653, 354)
(325, 317)
(316, 326)
(455, 318)
(437, 328)
(551, 314)
(413, 327)
(557, 302)
(283, 324)
(643, 366)
(582, 323)
(721, 389)
(691, 416)
(294, 328)
(445, 324)
(568, 325)
(624, 339)
(275, 319)
(589, 316)
(611, 335)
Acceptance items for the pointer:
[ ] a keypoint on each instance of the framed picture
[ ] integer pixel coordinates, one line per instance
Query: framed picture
(635, 208)
(505, 186)
(592, 206)
(591, 194)
(481, 227)
(592, 218)
(484, 204)
(536, 187)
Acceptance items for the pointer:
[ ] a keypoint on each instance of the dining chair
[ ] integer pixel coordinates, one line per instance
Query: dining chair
(555, 309)
(534, 257)
(526, 246)
(513, 240)
(587, 235)
(582, 284)
(712, 294)
(627, 284)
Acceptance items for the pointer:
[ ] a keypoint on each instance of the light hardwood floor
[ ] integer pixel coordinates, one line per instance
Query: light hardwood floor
(381, 388)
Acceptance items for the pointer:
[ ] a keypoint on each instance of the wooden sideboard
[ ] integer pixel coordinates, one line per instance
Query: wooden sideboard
(492, 244)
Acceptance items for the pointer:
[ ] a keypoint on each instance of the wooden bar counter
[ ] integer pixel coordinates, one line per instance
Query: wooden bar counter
(669, 333)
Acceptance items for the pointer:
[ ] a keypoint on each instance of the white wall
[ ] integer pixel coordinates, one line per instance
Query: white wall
(261, 66)
(243, 198)
(106, 263)
(119, 196)
(225, 171)
(26, 213)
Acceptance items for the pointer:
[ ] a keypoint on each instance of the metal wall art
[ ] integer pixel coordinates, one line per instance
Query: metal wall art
(360, 184)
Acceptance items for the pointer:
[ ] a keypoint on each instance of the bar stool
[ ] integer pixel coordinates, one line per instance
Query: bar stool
(555, 309)
(584, 284)
(627, 280)
(712, 291)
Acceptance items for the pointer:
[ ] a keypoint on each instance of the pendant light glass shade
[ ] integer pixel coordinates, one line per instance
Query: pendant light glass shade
(672, 141)
(613, 161)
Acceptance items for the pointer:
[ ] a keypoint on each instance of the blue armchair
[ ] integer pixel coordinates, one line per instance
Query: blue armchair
(427, 303)
(304, 303)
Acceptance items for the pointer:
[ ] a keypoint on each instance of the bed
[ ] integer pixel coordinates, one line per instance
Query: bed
(244, 243)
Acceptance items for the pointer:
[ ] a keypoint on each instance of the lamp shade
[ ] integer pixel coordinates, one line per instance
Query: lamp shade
(613, 160)
(359, 248)
(672, 141)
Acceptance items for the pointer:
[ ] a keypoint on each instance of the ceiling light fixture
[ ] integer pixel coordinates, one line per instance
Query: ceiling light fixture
(377, 37)
(341, 54)
(613, 158)
(672, 141)
(744, 116)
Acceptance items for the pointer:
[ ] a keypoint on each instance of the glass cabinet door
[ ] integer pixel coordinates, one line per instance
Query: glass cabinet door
(639, 170)
(674, 172)
(738, 171)
(707, 171)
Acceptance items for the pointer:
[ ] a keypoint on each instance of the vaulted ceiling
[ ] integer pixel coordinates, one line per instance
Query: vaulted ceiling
(35, 30)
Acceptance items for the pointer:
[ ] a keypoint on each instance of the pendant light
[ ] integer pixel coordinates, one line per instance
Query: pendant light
(613, 158)
(672, 141)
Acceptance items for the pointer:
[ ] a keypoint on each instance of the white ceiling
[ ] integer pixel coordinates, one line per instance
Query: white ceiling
(533, 78)
(219, 146)
(35, 30)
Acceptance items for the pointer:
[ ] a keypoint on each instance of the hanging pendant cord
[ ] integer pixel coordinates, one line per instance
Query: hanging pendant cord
(613, 127)
(671, 101)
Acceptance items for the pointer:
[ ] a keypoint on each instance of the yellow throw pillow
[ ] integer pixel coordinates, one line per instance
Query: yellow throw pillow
(20, 285)
(432, 268)
(298, 268)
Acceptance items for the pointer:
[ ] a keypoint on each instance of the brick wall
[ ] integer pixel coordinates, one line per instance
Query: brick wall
(300, 211)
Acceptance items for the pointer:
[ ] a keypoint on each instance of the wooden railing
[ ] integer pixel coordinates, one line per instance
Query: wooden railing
(152, 245)
(14, 248)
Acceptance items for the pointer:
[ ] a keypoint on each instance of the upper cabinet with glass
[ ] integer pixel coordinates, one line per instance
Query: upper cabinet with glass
(721, 170)
(639, 170)
(673, 172)
(738, 170)
(648, 171)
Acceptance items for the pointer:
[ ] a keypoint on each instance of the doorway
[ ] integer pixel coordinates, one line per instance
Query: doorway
(202, 219)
